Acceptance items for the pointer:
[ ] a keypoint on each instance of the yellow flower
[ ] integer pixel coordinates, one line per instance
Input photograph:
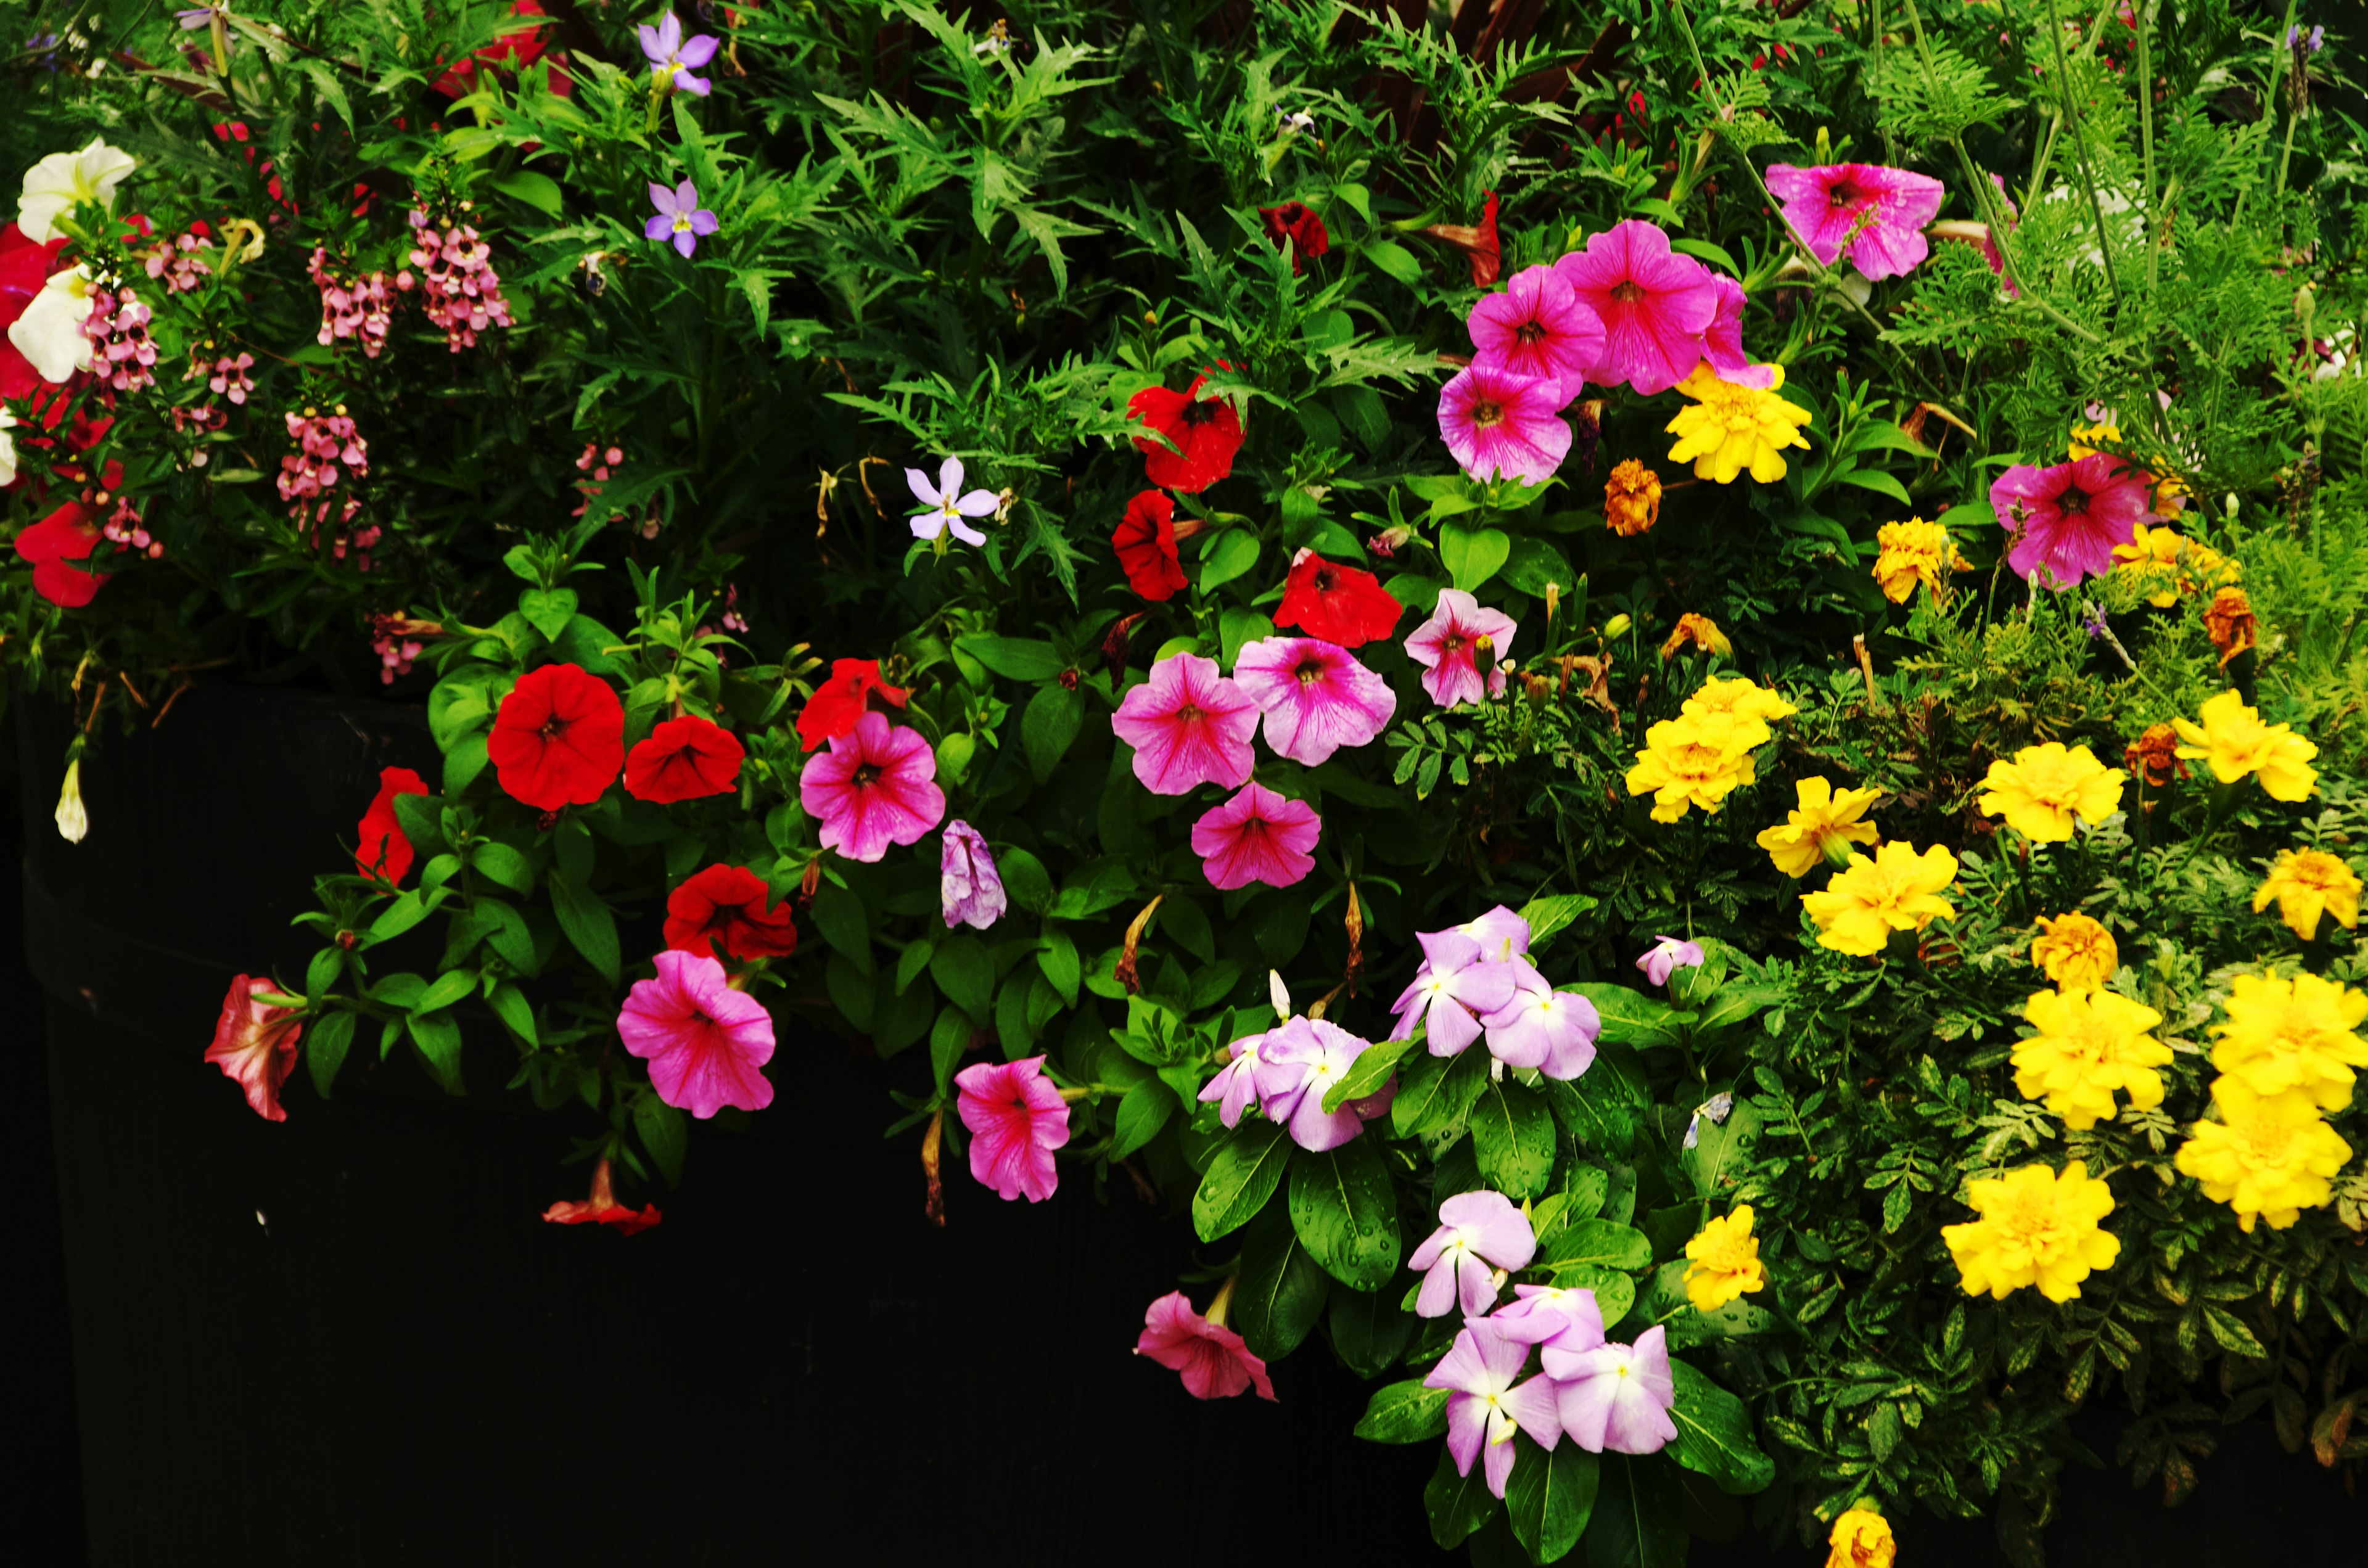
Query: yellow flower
(2308, 883)
(1690, 761)
(2233, 739)
(1911, 552)
(1862, 1539)
(2088, 1043)
(2292, 1034)
(1632, 498)
(1740, 698)
(2077, 952)
(1730, 428)
(2035, 1228)
(1867, 900)
(1822, 827)
(2046, 787)
(2269, 1156)
(1702, 632)
(1725, 1261)
(2167, 563)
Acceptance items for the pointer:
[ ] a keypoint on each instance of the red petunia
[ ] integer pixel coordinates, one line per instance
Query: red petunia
(69, 533)
(601, 1208)
(1296, 222)
(839, 701)
(511, 51)
(725, 905)
(559, 739)
(1479, 242)
(384, 851)
(254, 1044)
(1206, 431)
(1339, 604)
(23, 267)
(683, 760)
(1145, 543)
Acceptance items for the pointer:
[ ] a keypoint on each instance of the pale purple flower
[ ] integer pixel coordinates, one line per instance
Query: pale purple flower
(945, 505)
(1235, 1084)
(1449, 644)
(679, 217)
(1497, 423)
(1875, 215)
(1537, 327)
(1718, 1107)
(1723, 339)
(1316, 697)
(1550, 1315)
(1478, 1234)
(672, 57)
(1486, 1409)
(1456, 983)
(1188, 726)
(2311, 42)
(1617, 1396)
(1501, 934)
(968, 883)
(1298, 1065)
(1667, 955)
(1553, 1031)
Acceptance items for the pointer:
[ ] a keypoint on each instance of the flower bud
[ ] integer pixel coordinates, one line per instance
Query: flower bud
(73, 822)
(1616, 628)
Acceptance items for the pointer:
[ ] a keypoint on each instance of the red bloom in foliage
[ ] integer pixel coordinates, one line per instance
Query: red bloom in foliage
(1295, 222)
(69, 533)
(1339, 604)
(384, 851)
(601, 1208)
(255, 1044)
(1206, 431)
(1145, 543)
(683, 760)
(1477, 242)
(725, 906)
(559, 739)
(23, 267)
(839, 701)
(512, 50)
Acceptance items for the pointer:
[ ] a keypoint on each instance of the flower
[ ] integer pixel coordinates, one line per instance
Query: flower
(509, 52)
(1479, 243)
(1617, 1396)
(459, 289)
(255, 1043)
(1017, 1118)
(599, 1206)
(25, 270)
(63, 181)
(1911, 552)
(1316, 696)
(1899, 889)
(944, 506)
(1821, 827)
(723, 911)
(2035, 1228)
(2268, 1157)
(1449, 644)
(1188, 726)
(1654, 305)
(1732, 428)
(2308, 883)
(1538, 328)
(1298, 1063)
(1215, 1362)
(2235, 742)
(1736, 700)
(678, 216)
(1547, 1314)
(684, 759)
(1667, 955)
(72, 816)
(2075, 952)
(2045, 788)
(2292, 1034)
(968, 885)
(2153, 758)
(1632, 498)
(1724, 1261)
(844, 699)
(1874, 215)
(2168, 565)
(1498, 423)
(2086, 1044)
(1478, 1233)
(558, 739)
(1295, 224)
(1691, 760)
(1486, 1409)
(872, 788)
(1256, 837)
(1700, 631)
(1723, 339)
(704, 1041)
(48, 332)
(2063, 521)
(2229, 621)
(1346, 604)
(384, 850)
(69, 533)
(1236, 1084)
(1145, 543)
(1457, 983)
(1553, 1031)
(672, 57)
(1502, 935)
(1205, 433)
(1860, 1538)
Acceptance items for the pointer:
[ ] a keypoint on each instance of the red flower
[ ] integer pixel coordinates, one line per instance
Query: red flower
(256, 1044)
(725, 905)
(1477, 242)
(69, 533)
(601, 1208)
(23, 267)
(1207, 433)
(512, 50)
(559, 739)
(683, 760)
(1339, 604)
(839, 701)
(1294, 222)
(384, 851)
(1145, 543)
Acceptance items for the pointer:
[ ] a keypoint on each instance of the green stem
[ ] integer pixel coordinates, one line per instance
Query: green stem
(2080, 152)
(2145, 140)
(2278, 52)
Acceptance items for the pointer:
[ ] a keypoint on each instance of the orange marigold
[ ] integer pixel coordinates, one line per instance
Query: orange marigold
(2229, 620)
(1632, 498)
(2152, 758)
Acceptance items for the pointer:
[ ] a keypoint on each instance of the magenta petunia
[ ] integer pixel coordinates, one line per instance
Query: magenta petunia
(872, 788)
(1486, 1409)
(1448, 646)
(1256, 837)
(1498, 424)
(1189, 725)
(1553, 1031)
(704, 1041)
(1479, 1234)
(1017, 1118)
(1654, 305)
(1316, 697)
(1458, 981)
(1213, 1361)
(1298, 1063)
(1872, 214)
(1537, 327)
(1617, 1396)
(1723, 339)
(2064, 520)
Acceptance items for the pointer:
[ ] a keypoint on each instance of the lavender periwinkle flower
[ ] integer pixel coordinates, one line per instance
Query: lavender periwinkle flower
(1666, 957)
(679, 217)
(967, 880)
(672, 57)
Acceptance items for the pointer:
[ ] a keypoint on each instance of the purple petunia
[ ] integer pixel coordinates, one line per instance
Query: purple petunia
(679, 217)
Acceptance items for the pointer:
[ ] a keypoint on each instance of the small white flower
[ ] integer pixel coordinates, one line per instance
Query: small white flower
(1295, 123)
(8, 448)
(947, 505)
(63, 181)
(73, 822)
(49, 331)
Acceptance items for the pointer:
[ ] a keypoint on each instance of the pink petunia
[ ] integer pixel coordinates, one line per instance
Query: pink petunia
(1189, 725)
(1872, 214)
(1617, 1396)
(1017, 1118)
(1498, 423)
(1537, 327)
(1654, 305)
(1479, 1232)
(1456, 983)
(1449, 644)
(1553, 1031)
(968, 888)
(1301, 1062)
(1215, 1362)
(1256, 837)
(872, 788)
(1723, 339)
(2064, 520)
(1316, 697)
(704, 1041)
(254, 1044)
(1485, 1408)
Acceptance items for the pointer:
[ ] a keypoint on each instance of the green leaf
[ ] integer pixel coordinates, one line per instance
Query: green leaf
(501, 864)
(1405, 1412)
(1436, 1094)
(1054, 716)
(949, 1037)
(965, 971)
(510, 1006)
(1615, 1293)
(1457, 1504)
(1473, 555)
(323, 971)
(1549, 1497)
(547, 610)
(1345, 1211)
(448, 988)
(1548, 915)
(662, 1133)
(1062, 966)
(1639, 1518)
(1369, 1330)
(838, 916)
(1142, 1112)
(1188, 923)
(1603, 1242)
(1241, 1176)
(463, 760)
(1280, 1291)
(1513, 1138)
(1536, 565)
(1596, 1108)
(1373, 1066)
(324, 1048)
(1400, 263)
(1630, 1017)
(439, 1040)
(590, 928)
(1880, 483)
(1229, 555)
(1237, 626)
(538, 192)
(1018, 658)
(407, 910)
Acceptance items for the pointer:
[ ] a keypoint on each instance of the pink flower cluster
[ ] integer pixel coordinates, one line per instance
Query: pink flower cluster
(395, 650)
(1287, 1072)
(227, 376)
(123, 528)
(177, 263)
(327, 448)
(600, 461)
(1476, 979)
(122, 354)
(363, 311)
(460, 289)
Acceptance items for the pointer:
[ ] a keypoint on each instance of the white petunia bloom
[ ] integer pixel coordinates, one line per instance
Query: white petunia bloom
(50, 333)
(63, 181)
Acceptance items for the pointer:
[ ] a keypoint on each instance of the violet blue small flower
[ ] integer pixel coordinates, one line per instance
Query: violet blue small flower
(1486, 1409)
(2310, 42)
(1478, 1234)
(948, 506)
(1667, 956)
(1553, 1031)
(1235, 1084)
(679, 217)
(968, 883)
(672, 57)
(1455, 984)
(1569, 1320)
(1299, 1064)
(1617, 1396)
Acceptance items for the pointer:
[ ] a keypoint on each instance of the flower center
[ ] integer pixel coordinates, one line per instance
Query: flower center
(682, 222)
(1486, 414)
(1452, 646)
(1310, 673)
(867, 776)
(1530, 331)
(553, 727)
(1627, 290)
(2074, 500)
(1200, 410)
(1188, 714)
(1843, 193)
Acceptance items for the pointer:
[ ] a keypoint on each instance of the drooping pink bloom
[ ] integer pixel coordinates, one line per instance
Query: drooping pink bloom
(1188, 726)
(2064, 520)
(1456, 985)
(1569, 1320)
(1478, 1234)
(1449, 645)
(1017, 1118)
(1486, 1409)
(1875, 215)
(1299, 1064)
(968, 884)
(1497, 423)
(1537, 327)
(872, 788)
(704, 1041)
(1502, 935)
(1723, 339)
(254, 1044)
(1235, 1084)
(1617, 1396)
(1214, 1360)
(1316, 697)
(1668, 955)
(1256, 837)
(1654, 305)
(1553, 1031)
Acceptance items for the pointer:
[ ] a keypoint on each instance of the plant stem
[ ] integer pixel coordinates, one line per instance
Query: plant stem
(2080, 152)
(2145, 142)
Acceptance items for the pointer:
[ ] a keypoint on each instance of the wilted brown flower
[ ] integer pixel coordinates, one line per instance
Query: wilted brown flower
(1702, 632)
(1632, 498)
(2152, 758)
(2229, 620)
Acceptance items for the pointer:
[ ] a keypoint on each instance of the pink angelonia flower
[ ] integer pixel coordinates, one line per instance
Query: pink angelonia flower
(1667, 956)
(1256, 837)
(1188, 726)
(1235, 1084)
(1654, 305)
(1448, 646)
(1214, 1360)
(1617, 1396)
(872, 788)
(1017, 1118)
(1478, 1234)
(2066, 519)
(1553, 1031)
(1497, 423)
(1316, 697)
(968, 884)
(1548, 1315)
(1298, 1065)
(1875, 215)
(1723, 339)
(1501, 934)
(704, 1041)
(1486, 1409)
(1456, 983)
(1537, 327)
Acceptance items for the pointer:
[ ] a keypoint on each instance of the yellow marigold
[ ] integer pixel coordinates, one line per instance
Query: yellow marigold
(1724, 1261)
(1734, 695)
(2235, 742)
(1688, 762)
(1911, 552)
(2152, 558)
(2046, 787)
(1862, 1539)
(2306, 884)
(1702, 632)
(2287, 1034)
(1632, 498)
(2269, 1156)
(1867, 900)
(1729, 429)
(2228, 620)
(2035, 1228)
(2088, 1044)
(1822, 827)
(2077, 952)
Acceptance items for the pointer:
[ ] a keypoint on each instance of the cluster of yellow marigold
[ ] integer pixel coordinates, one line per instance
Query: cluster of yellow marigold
(1911, 552)
(1867, 898)
(2168, 566)
(1704, 755)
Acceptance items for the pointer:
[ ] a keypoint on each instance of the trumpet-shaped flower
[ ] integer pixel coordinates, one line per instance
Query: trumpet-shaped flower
(1538, 328)
(1723, 1261)
(25, 270)
(1455, 985)
(2035, 1228)
(946, 506)
(706, 1043)
(1201, 435)
(1502, 935)
(684, 759)
(2308, 883)
(2075, 951)
(63, 181)
(1188, 726)
(558, 738)
(1487, 1408)
(1553, 1031)
(968, 887)
(1820, 828)
(1295, 224)
(2268, 1157)
(254, 1044)
(2232, 741)
(2063, 521)
(1479, 1232)
(2292, 1034)
(1731, 427)
(1212, 1359)
(1316, 697)
(873, 788)
(68, 534)
(1339, 604)
(382, 850)
(49, 332)
(1899, 889)
(729, 910)
(1256, 837)
(599, 1206)
(1298, 1063)
(2046, 787)
(1654, 305)
(1667, 955)
(2084, 1046)
(842, 699)
(1451, 645)
(1617, 1397)
(1144, 542)
(1499, 424)
(1017, 1118)
(1875, 215)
